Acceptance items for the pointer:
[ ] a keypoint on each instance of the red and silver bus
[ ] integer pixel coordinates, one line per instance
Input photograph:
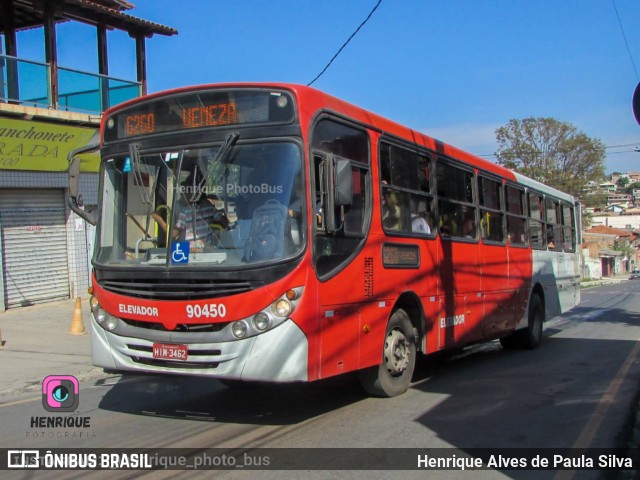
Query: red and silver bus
(272, 232)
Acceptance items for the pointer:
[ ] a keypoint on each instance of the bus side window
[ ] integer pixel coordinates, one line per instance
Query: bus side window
(406, 199)
(569, 228)
(537, 229)
(516, 218)
(554, 227)
(455, 203)
(491, 216)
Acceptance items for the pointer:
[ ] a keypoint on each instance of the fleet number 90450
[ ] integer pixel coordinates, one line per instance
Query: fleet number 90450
(209, 310)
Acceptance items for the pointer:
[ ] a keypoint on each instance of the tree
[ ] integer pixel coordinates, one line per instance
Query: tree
(552, 152)
(623, 182)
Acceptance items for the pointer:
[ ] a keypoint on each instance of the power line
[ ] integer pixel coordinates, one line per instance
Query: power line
(637, 149)
(624, 145)
(345, 44)
(625, 39)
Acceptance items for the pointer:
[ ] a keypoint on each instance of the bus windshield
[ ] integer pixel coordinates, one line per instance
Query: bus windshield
(225, 206)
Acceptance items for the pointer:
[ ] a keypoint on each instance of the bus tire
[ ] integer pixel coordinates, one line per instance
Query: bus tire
(511, 341)
(393, 376)
(532, 335)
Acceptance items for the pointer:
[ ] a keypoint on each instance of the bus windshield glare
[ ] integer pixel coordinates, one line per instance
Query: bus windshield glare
(202, 206)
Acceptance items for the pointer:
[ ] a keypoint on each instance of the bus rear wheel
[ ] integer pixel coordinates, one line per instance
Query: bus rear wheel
(393, 376)
(532, 335)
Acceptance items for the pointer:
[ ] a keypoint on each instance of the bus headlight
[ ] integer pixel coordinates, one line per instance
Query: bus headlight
(261, 321)
(111, 323)
(282, 308)
(101, 316)
(95, 306)
(239, 329)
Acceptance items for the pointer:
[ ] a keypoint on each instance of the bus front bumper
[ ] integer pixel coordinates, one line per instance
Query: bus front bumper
(278, 355)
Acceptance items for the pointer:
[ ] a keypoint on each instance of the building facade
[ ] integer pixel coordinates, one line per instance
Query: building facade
(46, 112)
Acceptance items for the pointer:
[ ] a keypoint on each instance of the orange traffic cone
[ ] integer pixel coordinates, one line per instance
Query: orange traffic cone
(77, 325)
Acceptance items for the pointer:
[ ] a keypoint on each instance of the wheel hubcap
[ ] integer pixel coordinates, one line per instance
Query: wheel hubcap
(396, 352)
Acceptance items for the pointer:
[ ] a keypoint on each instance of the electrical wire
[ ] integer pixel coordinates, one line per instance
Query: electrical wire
(625, 39)
(637, 149)
(345, 44)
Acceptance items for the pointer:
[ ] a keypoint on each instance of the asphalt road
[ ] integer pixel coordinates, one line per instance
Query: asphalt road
(578, 390)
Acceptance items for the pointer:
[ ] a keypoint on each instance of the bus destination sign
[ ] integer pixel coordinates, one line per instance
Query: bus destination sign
(213, 108)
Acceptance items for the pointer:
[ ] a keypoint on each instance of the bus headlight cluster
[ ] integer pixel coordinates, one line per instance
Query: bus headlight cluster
(105, 320)
(269, 317)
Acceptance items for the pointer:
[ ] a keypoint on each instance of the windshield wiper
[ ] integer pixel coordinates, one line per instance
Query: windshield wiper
(229, 141)
(221, 156)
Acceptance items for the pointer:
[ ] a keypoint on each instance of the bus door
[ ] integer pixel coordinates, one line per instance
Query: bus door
(341, 210)
(349, 276)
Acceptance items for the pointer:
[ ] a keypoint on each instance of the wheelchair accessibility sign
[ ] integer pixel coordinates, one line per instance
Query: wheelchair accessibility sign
(180, 252)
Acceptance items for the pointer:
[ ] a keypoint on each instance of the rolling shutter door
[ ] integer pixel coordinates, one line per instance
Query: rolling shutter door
(34, 246)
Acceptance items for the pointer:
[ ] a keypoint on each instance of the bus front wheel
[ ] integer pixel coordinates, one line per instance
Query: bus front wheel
(393, 376)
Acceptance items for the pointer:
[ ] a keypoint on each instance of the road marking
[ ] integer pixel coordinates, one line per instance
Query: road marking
(590, 429)
(18, 402)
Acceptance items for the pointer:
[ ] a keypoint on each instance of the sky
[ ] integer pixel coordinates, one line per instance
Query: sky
(456, 70)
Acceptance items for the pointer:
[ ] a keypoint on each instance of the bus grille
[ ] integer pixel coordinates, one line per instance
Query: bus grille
(158, 289)
(181, 327)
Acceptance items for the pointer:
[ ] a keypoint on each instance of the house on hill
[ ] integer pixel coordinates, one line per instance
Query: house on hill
(608, 251)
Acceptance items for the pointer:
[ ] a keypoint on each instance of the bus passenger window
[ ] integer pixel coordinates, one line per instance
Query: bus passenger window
(569, 228)
(456, 208)
(491, 223)
(537, 229)
(516, 219)
(554, 227)
(405, 191)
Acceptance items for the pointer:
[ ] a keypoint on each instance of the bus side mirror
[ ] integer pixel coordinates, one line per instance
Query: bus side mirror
(343, 183)
(337, 183)
(74, 199)
(74, 179)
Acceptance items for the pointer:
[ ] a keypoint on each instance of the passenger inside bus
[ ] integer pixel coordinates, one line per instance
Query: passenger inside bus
(269, 210)
(419, 223)
(391, 213)
(198, 220)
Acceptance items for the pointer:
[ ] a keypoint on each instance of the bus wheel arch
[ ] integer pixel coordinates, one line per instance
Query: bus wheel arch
(410, 303)
(393, 375)
(529, 337)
